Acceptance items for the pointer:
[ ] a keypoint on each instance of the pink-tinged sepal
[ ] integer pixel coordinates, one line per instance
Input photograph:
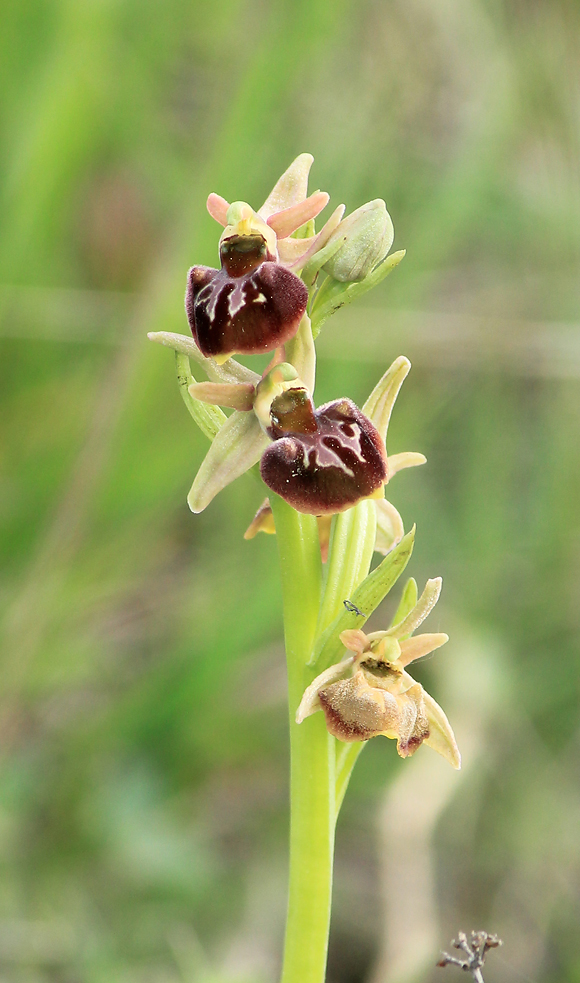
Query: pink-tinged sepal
(322, 461)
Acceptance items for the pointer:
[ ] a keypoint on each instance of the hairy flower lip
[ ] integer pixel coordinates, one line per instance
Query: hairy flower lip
(328, 469)
(252, 313)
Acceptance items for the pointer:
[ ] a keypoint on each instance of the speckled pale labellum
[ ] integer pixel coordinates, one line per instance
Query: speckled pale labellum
(370, 693)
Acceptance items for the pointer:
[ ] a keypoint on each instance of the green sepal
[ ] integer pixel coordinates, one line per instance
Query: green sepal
(210, 419)
(238, 446)
(230, 371)
(334, 294)
(319, 259)
(328, 648)
(407, 602)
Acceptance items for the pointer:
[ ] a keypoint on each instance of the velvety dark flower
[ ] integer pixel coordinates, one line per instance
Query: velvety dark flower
(252, 304)
(322, 461)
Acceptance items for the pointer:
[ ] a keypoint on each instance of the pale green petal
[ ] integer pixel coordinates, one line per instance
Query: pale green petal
(289, 189)
(210, 419)
(238, 446)
(379, 405)
(407, 459)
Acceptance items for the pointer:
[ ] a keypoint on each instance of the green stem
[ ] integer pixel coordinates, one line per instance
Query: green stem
(312, 782)
(349, 557)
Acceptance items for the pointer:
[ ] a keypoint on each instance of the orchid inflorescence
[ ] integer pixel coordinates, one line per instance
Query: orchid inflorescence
(278, 282)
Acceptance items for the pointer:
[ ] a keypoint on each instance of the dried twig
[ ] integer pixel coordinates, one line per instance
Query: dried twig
(474, 954)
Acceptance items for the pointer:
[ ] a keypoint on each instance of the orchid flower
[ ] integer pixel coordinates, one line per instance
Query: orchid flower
(370, 693)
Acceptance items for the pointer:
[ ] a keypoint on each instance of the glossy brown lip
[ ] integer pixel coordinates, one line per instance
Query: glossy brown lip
(330, 468)
(254, 312)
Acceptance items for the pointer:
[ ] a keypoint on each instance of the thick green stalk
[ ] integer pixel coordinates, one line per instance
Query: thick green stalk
(312, 783)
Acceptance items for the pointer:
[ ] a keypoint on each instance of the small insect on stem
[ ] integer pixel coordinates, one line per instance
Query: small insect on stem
(352, 607)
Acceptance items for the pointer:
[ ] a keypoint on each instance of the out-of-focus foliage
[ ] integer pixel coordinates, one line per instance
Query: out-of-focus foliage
(143, 768)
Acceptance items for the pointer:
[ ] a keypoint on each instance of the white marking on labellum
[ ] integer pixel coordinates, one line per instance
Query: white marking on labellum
(260, 299)
(236, 300)
(212, 303)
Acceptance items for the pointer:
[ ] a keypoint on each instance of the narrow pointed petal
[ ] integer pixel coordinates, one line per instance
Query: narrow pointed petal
(417, 616)
(231, 371)
(408, 459)
(316, 243)
(239, 396)
(218, 208)
(441, 737)
(286, 222)
(355, 640)
(379, 405)
(238, 446)
(290, 188)
(390, 529)
(309, 703)
(420, 645)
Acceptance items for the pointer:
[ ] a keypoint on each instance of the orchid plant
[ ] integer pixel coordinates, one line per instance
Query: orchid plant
(325, 471)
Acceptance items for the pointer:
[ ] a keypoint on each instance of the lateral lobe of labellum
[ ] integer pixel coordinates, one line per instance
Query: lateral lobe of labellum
(328, 468)
(251, 313)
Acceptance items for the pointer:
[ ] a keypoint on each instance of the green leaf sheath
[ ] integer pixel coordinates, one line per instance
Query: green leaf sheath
(366, 597)
(349, 556)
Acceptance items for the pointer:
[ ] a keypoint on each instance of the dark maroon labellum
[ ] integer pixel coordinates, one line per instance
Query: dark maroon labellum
(322, 461)
(251, 305)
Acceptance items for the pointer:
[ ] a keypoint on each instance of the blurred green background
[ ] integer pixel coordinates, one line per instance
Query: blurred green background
(143, 749)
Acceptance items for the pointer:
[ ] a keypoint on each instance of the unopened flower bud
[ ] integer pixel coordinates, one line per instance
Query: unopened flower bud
(369, 236)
